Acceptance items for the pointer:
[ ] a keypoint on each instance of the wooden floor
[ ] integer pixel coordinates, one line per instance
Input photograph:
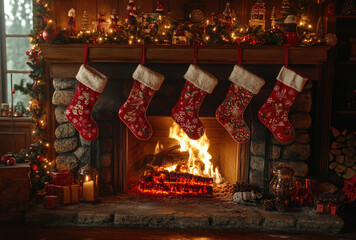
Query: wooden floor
(14, 231)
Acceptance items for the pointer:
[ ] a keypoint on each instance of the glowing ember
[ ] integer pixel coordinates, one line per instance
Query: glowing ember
(193, 177)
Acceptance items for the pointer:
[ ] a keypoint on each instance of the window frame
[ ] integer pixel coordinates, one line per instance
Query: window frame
(3, 60)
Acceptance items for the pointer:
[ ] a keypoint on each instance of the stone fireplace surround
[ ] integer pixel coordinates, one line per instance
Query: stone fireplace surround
(263, 151)
(310, 116)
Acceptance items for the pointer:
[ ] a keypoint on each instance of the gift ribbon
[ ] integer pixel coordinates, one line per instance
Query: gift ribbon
(86, 49)
(143, 54)
(239, 54)
(195, 52)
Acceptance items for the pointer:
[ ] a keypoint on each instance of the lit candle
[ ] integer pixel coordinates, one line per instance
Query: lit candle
(88, 190)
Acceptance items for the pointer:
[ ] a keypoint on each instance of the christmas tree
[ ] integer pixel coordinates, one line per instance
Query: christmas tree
(85, 21)
(227, 13)
(131, 16)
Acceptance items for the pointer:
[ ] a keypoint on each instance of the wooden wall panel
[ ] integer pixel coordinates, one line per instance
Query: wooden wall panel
(22, 130)
(178, 8)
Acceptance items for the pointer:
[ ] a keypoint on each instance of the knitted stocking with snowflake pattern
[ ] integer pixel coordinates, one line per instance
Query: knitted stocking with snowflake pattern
(244, 85)
(274, 112)
(133, 111)
(186, 112)
(90, 86)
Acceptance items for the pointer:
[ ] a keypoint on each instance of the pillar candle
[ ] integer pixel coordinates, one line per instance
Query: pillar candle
(88, 191)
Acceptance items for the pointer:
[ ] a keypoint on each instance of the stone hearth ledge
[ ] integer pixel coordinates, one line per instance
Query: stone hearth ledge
(177, 213)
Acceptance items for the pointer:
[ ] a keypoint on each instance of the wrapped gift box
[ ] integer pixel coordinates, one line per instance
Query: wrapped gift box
(65, 194)
(62, 178)
(50, 202)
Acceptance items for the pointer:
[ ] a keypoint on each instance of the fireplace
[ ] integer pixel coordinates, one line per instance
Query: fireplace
(122, 159)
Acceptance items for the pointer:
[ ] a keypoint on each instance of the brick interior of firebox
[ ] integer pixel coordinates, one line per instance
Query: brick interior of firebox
(120, 156)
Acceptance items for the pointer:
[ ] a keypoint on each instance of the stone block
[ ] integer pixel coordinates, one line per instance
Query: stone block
(275, 152)
(62, 97)
(104, 116)
(83, 154)
(84, 142)
(349, 173)
(273, 221)
(249, 220)
(340, 169)
(300, 120)
(302, 137)
(350, 136)
(336, 145)
(256, 179)
(332, 165)
(64, 83)
(106, 175)
(258, 148)
(340, 158)
(303, 102)
(257, 163)
(95, 218)
(59, 114)
(296, 151)
(66, 130)
(65, 145)
(350, 161)
(106, 145)
(348, 152)
(106, 160)
(335, 132)
(320, 223)
(67, 162)
(335, 152)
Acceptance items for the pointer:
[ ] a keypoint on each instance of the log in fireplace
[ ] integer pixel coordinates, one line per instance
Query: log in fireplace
(123, 159)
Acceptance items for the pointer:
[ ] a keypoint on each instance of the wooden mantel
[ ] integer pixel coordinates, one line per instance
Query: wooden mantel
(73, 53)
(318, 59)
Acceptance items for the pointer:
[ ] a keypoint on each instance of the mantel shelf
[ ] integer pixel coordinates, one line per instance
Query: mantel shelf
(73, 53)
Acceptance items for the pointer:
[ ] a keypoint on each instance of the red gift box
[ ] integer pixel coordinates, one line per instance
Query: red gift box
(65, 194)
(62, 178)
(332, 208)
(50, 202)
(321, 208)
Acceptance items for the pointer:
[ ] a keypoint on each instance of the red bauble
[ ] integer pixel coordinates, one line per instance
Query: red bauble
(34, 167)
(49, 34)
(13, 91)
(40, 158)
(11, 161)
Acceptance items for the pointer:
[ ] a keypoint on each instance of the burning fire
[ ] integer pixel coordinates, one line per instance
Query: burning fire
(199, 158)
(194, 177)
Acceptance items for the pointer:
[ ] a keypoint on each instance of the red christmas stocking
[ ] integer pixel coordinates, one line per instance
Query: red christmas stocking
(185, 112)
(244, 85)
(274, 112)
(90, 86)
(133, 112)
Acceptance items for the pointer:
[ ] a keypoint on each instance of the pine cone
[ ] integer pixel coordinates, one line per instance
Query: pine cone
(241, 187)
(269, 205)
(282, 205)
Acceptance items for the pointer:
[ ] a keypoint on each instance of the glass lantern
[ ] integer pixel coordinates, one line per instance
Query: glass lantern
(282, 184)
(88, 181)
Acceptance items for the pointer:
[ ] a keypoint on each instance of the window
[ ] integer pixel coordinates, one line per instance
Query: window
(16, 23)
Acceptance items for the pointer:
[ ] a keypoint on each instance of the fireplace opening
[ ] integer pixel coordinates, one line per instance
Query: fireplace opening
(170, 163)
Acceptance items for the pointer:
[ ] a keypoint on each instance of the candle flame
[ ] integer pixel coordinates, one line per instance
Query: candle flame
(86, 178)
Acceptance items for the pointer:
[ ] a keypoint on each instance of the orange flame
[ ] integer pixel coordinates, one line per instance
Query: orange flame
(198, 153)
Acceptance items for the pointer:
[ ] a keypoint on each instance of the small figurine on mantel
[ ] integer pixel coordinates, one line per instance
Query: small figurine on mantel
(71, 25)
(258, 12)
(114, 20)
(273, 17)
(159, 6)
(85, 21)
(131, 15)
(290, 29)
